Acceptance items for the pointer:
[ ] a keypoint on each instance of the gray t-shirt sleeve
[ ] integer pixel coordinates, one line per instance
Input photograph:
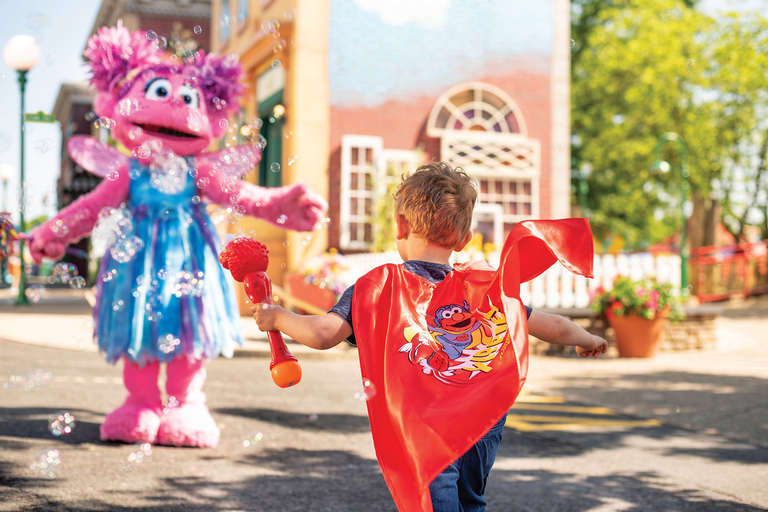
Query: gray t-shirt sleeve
(343, 308)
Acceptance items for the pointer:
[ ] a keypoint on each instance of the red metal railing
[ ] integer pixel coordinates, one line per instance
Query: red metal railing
(725, 271)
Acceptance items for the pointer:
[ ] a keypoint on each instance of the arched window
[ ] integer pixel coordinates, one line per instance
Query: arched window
(475, 106)
(483, 131)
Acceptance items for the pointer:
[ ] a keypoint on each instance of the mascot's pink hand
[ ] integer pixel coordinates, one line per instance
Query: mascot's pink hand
(296, 207)
(44, 244)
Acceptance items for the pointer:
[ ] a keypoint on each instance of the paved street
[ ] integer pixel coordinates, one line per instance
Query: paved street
(682, 431)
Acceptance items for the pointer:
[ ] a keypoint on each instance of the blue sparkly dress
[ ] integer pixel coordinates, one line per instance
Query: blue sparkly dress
(169, 297)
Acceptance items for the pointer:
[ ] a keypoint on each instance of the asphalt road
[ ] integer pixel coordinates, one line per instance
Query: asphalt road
(598, 436)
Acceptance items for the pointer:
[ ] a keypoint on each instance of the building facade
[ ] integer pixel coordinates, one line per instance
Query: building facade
(366, 92)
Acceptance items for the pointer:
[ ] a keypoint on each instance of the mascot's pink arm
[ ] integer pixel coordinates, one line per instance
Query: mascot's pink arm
(50, 239)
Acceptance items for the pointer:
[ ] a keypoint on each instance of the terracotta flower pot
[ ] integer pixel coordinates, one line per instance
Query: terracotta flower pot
(320, 297)
(637, 336)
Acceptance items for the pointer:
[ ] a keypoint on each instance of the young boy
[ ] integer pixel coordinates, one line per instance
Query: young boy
(453, 324)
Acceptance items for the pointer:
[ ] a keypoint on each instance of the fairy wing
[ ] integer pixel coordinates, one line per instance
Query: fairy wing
(95, 156)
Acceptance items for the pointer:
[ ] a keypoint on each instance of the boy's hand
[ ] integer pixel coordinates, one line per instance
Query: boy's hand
(265, 316)
(596, 347)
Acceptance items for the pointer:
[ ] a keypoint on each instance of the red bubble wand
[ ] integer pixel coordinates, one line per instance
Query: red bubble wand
(247, 260)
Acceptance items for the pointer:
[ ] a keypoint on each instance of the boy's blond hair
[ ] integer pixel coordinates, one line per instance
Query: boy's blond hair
(437, 201)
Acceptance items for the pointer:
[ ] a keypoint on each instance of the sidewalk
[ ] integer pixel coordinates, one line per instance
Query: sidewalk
(62, 319)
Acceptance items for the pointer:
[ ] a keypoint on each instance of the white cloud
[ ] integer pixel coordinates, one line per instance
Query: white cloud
(429, 13)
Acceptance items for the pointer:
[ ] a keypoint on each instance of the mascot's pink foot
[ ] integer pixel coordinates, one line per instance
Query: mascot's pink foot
(132, 423)
(188, 425)
(138, 419)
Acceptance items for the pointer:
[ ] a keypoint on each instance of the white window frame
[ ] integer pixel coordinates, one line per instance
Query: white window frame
(402, 160)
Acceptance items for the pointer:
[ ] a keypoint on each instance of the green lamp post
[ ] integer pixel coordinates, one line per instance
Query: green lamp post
(684, 175)
(22, 53)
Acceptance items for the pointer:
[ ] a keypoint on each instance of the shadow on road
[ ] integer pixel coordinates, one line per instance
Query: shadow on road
(569, 492)
(330, 422)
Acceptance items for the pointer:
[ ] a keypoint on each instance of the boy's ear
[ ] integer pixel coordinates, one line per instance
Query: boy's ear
(402, 228)
(461, 245)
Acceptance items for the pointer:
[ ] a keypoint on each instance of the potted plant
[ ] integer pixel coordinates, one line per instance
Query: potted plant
(638, 311)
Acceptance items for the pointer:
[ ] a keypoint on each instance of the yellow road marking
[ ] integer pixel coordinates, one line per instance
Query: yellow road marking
(535, 403)
(565, 408)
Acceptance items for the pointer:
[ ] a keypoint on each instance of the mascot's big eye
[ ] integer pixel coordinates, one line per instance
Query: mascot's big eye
(189, 96)
(158, 89)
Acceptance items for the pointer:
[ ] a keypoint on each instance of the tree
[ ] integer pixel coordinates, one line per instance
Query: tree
(644, 68)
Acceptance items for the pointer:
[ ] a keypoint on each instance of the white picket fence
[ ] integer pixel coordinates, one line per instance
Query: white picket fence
(557, 287)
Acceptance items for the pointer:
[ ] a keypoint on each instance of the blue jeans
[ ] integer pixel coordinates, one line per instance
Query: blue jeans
(460, 487)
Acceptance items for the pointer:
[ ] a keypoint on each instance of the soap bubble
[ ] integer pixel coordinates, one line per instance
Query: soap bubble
(198, 29)
(665, 14)
(689, 63)
(43, 145)
(46, 463)
(151, 35)
(366, 392)
(61, 423)
(275, 167)
(573, 43)
(77, 282)
(281, 219)
(251, 439)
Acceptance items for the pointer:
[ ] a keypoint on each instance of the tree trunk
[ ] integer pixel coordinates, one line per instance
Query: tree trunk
(704, 220)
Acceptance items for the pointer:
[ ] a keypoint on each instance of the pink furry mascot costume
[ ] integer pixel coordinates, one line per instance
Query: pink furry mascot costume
(162, 296)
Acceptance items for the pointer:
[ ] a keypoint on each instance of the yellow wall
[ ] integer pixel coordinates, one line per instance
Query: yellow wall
(304, 59)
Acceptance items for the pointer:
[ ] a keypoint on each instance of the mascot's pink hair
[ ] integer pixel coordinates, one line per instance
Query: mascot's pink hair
(117, 57)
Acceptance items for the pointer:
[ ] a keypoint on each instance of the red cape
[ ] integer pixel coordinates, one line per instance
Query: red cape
(448, 360)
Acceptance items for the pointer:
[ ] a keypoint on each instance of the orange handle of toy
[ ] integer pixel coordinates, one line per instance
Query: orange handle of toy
(285, 368)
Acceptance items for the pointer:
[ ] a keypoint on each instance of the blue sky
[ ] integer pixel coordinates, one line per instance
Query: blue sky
(62, 27)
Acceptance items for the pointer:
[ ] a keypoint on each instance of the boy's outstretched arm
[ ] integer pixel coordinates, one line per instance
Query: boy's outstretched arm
(559, 330)
(320, 332)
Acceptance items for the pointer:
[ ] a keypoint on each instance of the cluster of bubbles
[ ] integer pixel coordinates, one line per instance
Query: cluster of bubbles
(140, 454)
(30, 382)
(189, 284)
(35, 293)
(113, 232)
(170, 403)
(251, 439)
(168, 343)
(61, 423)
(46, 463)
(168, 172)
(367, 391)
(67, 273)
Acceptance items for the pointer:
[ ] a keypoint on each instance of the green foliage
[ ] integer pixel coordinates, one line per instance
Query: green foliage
(645, 298)
(640, 69)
